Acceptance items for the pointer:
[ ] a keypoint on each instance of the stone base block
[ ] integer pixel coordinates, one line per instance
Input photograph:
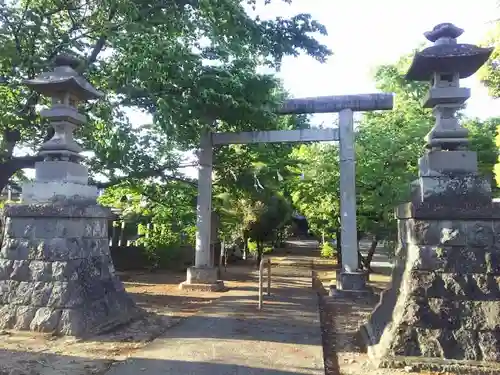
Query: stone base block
(218, 286)
(63, 171)
(466, 191)
(203, 279)
(351, 284)
(47, 192)
(352, 280)
(56, 272)
(435, 163)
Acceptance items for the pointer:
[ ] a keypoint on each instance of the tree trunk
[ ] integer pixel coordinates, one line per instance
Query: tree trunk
(371, 253)
(245, 245)
(361, 260)
(13, 165)
(259, 253)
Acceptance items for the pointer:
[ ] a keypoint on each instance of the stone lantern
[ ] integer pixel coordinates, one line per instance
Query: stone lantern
(56, 271)
(442, 309)
(60, 174)
(443, 65)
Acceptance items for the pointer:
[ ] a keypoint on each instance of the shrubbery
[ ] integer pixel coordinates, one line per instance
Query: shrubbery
(327, 250)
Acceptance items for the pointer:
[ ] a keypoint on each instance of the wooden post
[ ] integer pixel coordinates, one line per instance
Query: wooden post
(122, 234)
(268, 277)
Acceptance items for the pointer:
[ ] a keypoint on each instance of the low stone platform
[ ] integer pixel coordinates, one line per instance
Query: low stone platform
(193, 287)
(56, 273)
(202, 279)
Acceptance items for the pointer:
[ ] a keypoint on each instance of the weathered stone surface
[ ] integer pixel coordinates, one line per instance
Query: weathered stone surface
(439, 313)
(56, 273)
(40, 271)
(46, 320)
(458, 344)
(7, 316)
(453, 233)
(458, 208)
(41, 294)
(455, 259)
(24, 317)
(21, 294)
(72, 322)
(60, 208)
(65, 270)
(444, 300)
(19, 228)
(489, 342)
(20, 270)
(479, 287)
(7, 288)
(6, 267)
(14, 249)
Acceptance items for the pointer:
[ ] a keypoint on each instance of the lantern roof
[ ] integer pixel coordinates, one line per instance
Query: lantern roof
(446, 55)
(63, 79)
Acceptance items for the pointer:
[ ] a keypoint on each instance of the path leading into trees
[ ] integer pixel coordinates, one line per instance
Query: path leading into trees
(233, 337)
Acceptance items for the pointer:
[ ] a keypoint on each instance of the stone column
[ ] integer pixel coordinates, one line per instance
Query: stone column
(349, 279)
(442, 310)
(203, 276)
(204, 205)
(56, 272)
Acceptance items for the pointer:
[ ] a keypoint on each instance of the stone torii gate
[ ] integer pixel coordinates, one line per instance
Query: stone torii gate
(203, 276)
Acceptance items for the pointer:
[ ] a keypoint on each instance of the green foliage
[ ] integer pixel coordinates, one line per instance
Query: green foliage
(187, 64)
(190, 66)
(490, 72)
(252, 246)
(165, 214)
(327, 250)
(482, 135)
(316, 193)
(161, 244)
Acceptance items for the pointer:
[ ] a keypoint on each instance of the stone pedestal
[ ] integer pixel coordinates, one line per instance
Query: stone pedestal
(442, 309)
(350, 284)
(56, 273)
(202, 279)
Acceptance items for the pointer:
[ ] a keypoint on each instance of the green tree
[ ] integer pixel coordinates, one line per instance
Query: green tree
(164, 214)
(490, 72)
(186, 63)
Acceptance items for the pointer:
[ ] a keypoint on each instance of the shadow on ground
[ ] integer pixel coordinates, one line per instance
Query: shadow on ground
(50, 364)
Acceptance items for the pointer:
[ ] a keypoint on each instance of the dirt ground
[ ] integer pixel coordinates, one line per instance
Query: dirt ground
(158, 293)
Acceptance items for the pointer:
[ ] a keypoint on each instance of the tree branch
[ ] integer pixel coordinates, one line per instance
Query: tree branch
(101, 41)
(11, 166)
(156, 172)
